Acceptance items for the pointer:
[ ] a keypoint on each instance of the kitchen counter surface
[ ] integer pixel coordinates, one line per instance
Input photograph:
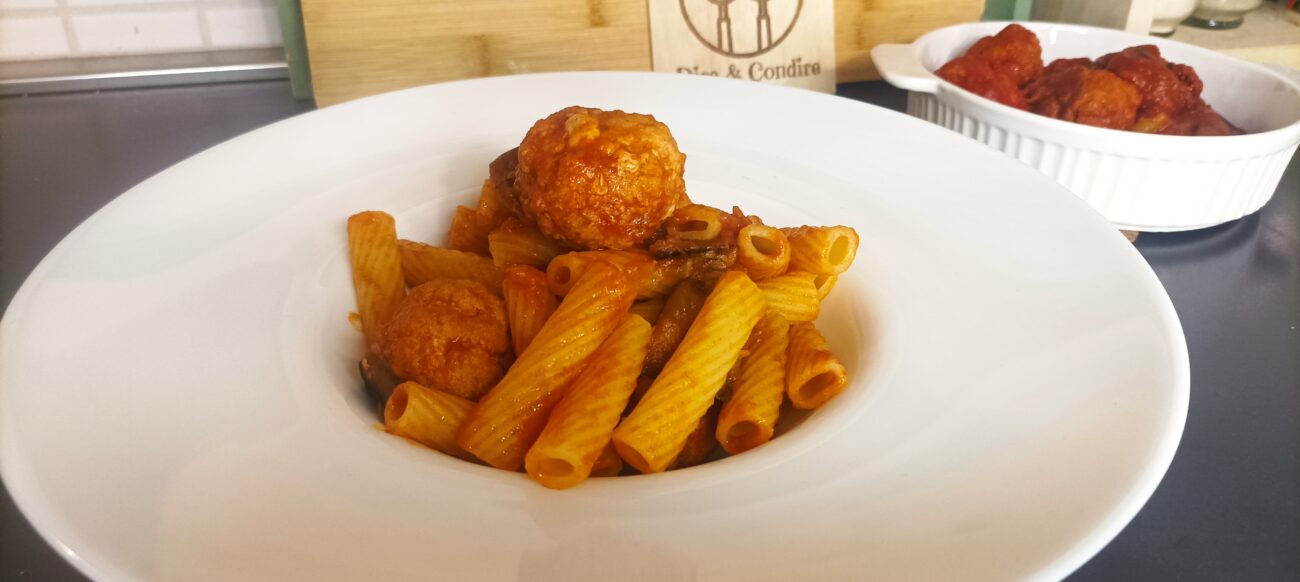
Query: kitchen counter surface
(1228, 509)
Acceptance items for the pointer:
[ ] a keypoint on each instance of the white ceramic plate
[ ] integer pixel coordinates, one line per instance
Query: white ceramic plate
(180, 399)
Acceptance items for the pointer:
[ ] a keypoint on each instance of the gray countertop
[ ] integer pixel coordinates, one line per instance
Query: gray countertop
(1228, 509)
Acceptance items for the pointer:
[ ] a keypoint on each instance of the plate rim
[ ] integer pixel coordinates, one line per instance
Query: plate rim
(39, 513)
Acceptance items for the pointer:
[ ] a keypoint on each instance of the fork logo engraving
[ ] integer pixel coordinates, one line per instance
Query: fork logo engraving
(740, 28)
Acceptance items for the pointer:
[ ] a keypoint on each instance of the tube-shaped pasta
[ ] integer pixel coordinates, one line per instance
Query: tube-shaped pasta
(608, 464)
(465, 233)
(695, 222)
(580, 425)
(501, 427)
(824, 285)
(376, 271)
(654, 434)
(649, 277)
(422, 263)
(749, 416)
(528, 303)
(427, 416)
(822, 250)
(516, 243)
(762, 251)
(813, 374)
(566, 269)
(793, 295)
(679, 311)
(491, 208)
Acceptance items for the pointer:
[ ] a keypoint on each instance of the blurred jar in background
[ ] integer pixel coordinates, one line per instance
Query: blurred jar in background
(1221, 14)
(1168, 13)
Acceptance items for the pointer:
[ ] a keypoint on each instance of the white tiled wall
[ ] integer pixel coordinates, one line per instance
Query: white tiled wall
(52, 29)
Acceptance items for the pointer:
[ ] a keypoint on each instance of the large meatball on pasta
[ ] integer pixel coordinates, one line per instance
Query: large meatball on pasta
(596, 179)
(449, 335)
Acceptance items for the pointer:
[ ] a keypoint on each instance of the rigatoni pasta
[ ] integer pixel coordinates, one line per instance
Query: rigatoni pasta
(750, 414)
(813, 374)
(824, 284)
(491, 210)
(580, 426)
(565, 270)
(528, 303)
(651, 278)
(514, 243)
(793, 295)
(653, 435)
(466, 234)
(422, 263)
(376, 271)
(822, 250)
(696, 222)
(502, 426)
(762, 251)
(586, 319)
(427, 416)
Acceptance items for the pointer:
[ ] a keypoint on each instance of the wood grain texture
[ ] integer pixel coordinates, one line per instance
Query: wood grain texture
(362, 48)
(862, 24)
(674, 44)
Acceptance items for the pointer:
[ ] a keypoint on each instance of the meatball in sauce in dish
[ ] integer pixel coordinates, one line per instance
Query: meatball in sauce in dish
(1135, 89)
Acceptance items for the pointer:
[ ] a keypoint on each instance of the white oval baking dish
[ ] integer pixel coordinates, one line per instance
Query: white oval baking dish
(1139, 181)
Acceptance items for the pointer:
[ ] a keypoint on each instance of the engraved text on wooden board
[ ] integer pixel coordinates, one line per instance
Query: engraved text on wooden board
(788, 42)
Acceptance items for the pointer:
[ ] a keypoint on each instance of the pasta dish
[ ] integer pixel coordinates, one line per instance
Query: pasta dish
(586, 319)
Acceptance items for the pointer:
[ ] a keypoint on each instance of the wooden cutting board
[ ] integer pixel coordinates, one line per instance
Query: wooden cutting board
(360, 48)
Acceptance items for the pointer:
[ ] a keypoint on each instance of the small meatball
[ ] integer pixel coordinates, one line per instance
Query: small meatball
(1052, 74)
(975, 75)
(450, 335)
(1200, 120)
(1013, 51)
(1162, 91)
(1086, 96)
(1188, 76)
(1157, 123)
(597, 179)
(1063, 65)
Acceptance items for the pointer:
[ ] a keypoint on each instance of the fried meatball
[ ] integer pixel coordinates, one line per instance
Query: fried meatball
(977, 76)
(1014, 51)
(1162, 90)
(1135, 89)
(1188, 76)
(1086, 96)
(449, 335)
(596, 179)
(1063, 65)
(1200, 120)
